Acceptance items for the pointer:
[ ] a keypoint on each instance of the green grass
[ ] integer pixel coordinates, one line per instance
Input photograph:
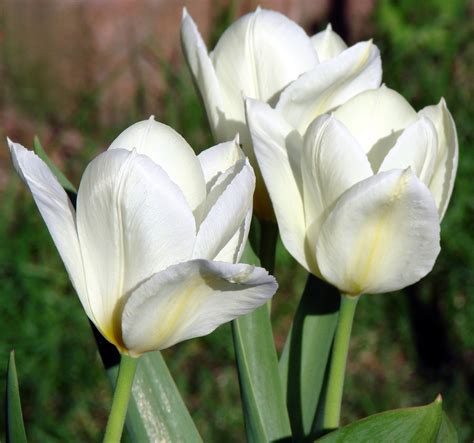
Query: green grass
(426, 54)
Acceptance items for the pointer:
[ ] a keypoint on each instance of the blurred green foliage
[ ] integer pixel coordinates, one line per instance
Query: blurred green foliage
(406, 347)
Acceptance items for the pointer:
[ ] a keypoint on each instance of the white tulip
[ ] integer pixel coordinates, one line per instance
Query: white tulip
(153, 246)
(266, 56)
(360, 194)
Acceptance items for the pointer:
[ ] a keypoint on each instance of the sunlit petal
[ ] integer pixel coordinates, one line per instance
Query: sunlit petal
(415, 148)
(202, 70)
(132, 221)
(257, 56)
(190, 300)
(169, 150)
(328, 44)
(376, 119)
(446, 166)
(330, 84)
(278, 149)
(57, 212)
(382, 235)
(331, 163)
(226, 208)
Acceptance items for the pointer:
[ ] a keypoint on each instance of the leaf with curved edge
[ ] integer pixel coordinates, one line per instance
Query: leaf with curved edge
(63, 181)
(447, 432)
(306, 353)
(266, 417)
(156, 411)
(15, 428)
(419, 424)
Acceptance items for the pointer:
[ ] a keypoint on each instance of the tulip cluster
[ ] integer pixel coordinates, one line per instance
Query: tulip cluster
(357, 180)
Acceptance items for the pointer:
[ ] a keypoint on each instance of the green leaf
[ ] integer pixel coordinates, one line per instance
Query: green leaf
(447, 432)
(266, 417)
(15, 426)
(64, 182)
(156, 411)
(305, 356)
(417, 425)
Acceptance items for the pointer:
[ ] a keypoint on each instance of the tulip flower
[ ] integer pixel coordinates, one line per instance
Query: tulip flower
(360, 194)
(153, 245)
(266, 56)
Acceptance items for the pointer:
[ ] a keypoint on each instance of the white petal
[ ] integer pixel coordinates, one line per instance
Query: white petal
(446, 166)
(132, 221)
(170, 151)
(382, 235)
(225, 210)
(328, 44)
(233, 250)
(331, 163)
(376, 118)
(330, 84)
(57, 212)
(202, 70)
(415, 148)
(278, 149)
(218, 159)
(257, 56)
(191, 300)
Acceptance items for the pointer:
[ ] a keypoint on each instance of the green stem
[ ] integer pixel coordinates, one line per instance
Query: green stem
(268, 241)
(123, 389)
(337, 371)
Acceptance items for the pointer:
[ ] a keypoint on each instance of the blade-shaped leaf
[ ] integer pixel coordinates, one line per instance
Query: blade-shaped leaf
(447, 432)
(266, 418)
(305, 355)
(64, 182)
(420, 424)
(14, 418)
(156, 411)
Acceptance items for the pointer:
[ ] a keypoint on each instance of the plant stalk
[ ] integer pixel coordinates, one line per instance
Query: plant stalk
(123, 389)
(337, 371)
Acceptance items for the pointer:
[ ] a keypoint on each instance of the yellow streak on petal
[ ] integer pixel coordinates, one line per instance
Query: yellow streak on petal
(373, 242)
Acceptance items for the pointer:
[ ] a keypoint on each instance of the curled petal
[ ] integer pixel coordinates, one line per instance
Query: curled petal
(257, 56)
(202, 70)
(218, 159)
(170, 151)
(57, 212)
(331, 163)
(328, 44)
(416, 148)
(132, 221)
(382, 235)
(190, 300)
(278, 150)
(376, 118)
(226, 208)
(442, 182)
(330, 84)
(233, 250)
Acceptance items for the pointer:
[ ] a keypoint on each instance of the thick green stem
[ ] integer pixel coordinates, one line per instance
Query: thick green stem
(123, 389)
(337, 371)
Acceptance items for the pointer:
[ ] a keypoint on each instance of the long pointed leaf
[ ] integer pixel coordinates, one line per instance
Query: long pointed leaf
(447, 432)
(64, 182)
(420, 424)
(14, 417)
(266, 417)
(156, 411)
(305, 355)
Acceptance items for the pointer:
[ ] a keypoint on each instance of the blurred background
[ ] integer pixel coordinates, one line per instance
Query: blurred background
(76, 72)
